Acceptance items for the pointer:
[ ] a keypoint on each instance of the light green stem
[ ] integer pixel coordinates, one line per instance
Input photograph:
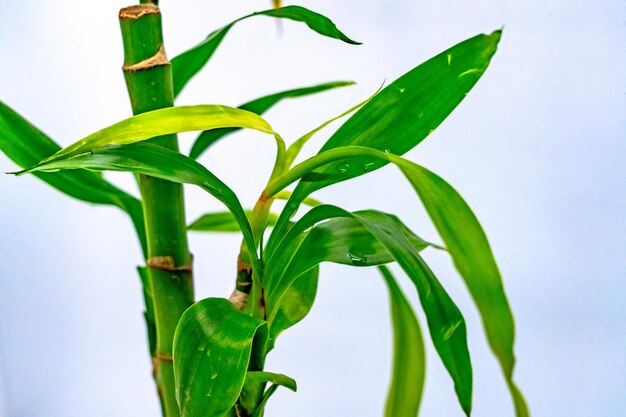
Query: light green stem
(148, 76)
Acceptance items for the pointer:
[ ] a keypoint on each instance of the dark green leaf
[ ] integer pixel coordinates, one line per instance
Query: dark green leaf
(409, 356)
(26, 145)
(403, 114)
(187, 64)
(212, 349)
(259, 106)
(278, 379)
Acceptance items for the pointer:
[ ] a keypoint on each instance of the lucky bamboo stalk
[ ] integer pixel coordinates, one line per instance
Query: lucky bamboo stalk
(148, 76)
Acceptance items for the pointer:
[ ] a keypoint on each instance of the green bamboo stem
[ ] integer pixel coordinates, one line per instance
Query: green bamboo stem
(148, 76)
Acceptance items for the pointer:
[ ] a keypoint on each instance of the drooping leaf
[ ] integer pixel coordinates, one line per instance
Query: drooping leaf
(187, 64)
(462, 234)
(278, 379)
(258, 106)
(212, 350)
(26, 145)
(368, 238)
(446, 324)
(409, 356)
(324, 234)
(156, 161)
(223, 221)
(402, 115)
(167, 121)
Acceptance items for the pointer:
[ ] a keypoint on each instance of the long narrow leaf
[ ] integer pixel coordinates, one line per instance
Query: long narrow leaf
(409, 356)
(223, 221)
(166, 121)
(462, 234)
(258, 106)
(373, 238)
(26, 145)
(187, 64)
(278, 379)
(212, 350)
(156, 161)
(402, 115)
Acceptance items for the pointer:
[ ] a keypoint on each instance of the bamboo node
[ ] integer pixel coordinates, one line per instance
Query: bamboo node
(164, 357)
(157, 60)
(239, 299)
(166, 263)
(137, 11)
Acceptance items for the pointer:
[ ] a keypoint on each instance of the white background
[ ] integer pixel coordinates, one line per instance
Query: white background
(537, 149)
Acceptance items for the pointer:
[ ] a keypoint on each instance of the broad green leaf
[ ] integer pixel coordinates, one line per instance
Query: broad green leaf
(26, 145)
(212, 351)
(463, 236)
(409, 356)
(278, 379)
(296, 304)
(223, 221)
(403, 114)
(187, 64)
(156, 161)
(258, 106)
(167, 121)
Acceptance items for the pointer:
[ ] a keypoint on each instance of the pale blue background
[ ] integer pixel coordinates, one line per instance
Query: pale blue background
(538, 150)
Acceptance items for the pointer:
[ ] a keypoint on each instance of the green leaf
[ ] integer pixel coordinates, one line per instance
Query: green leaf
(368, 238)
(296, 304)
(463, 236)
(167, 121)
(258, 106)
(277, 379)
(26, 145)
(295, 148)
(446, 324)
(156, 161)
(403, 114)
(409, 356)
(212, 351)
(187, 64)
(223, 221)
(339, 239)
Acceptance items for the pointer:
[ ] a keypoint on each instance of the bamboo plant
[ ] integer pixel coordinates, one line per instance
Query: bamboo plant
(208, 355)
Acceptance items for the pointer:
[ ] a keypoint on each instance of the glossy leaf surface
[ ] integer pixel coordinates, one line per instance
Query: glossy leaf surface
(26, 145)
(446, 324)
(403, 114)
(187, 64)
(164, 122)
(258, 106)
(466, 242)
(409, 356)
(212, 349)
